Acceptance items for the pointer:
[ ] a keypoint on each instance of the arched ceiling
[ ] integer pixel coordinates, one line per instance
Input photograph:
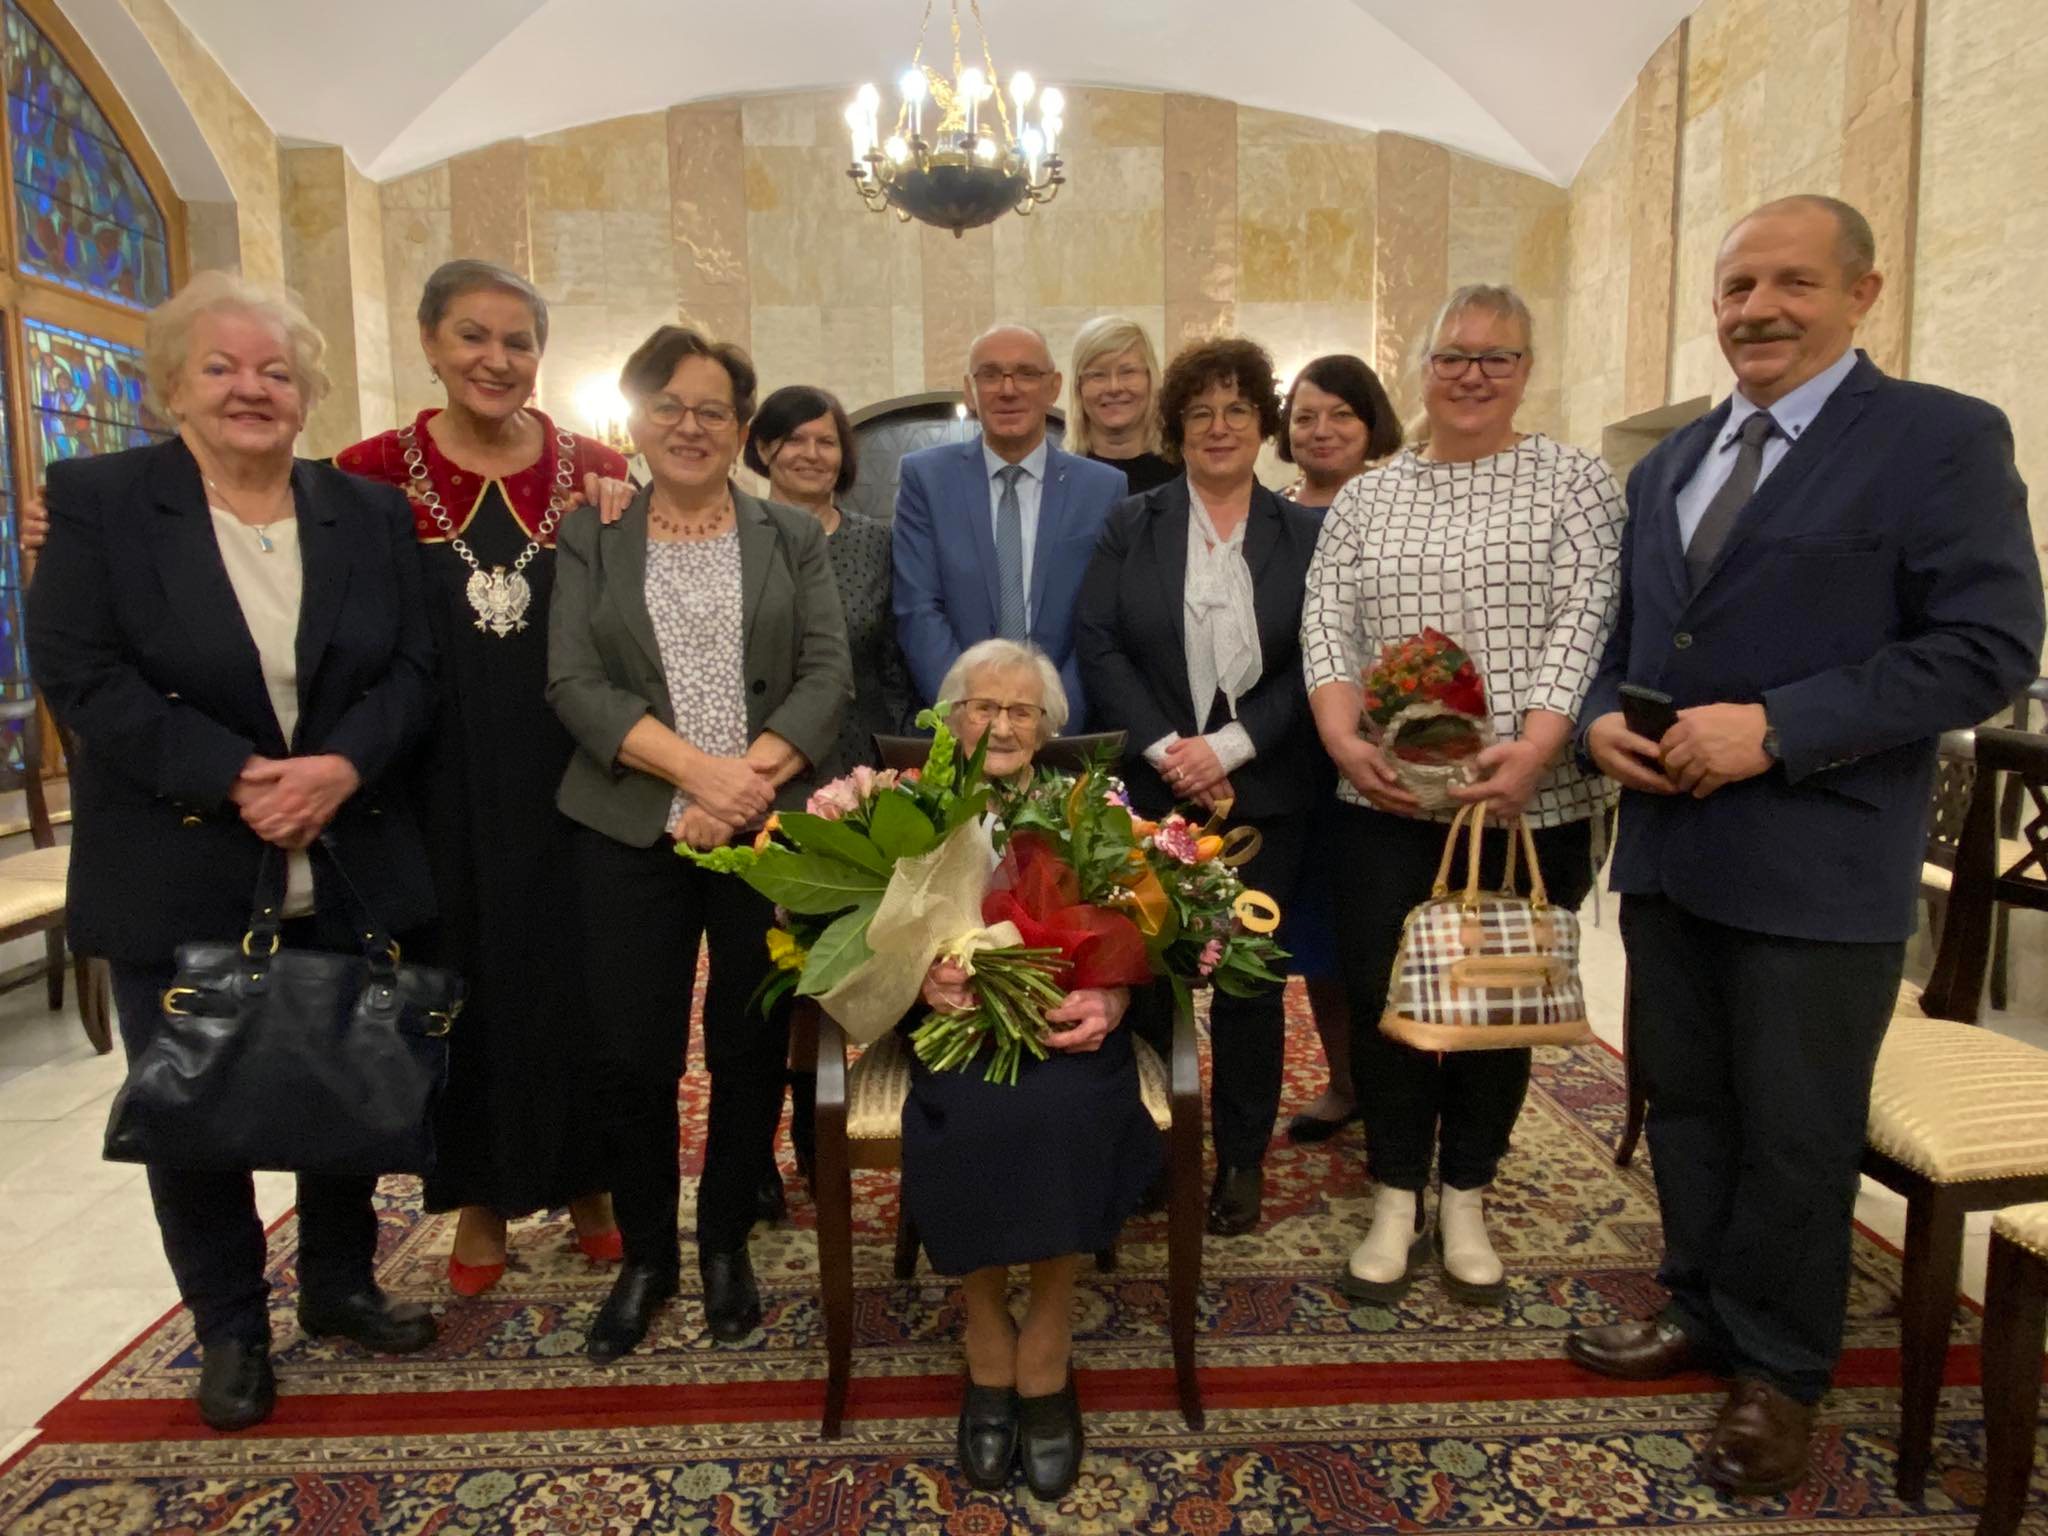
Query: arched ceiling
(403, 83)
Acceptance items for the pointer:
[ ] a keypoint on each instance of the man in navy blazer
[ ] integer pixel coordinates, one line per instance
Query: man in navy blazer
(1824, 573)
(992, 537)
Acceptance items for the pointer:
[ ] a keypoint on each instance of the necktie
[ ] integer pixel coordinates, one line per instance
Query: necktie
(1010, 557)
(1712, 530)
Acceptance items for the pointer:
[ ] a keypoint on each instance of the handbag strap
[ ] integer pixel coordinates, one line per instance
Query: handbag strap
(1442, 885)
(266, 909)
(1519, 837)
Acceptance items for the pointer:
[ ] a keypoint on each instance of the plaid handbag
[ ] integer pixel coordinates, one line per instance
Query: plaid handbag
(1484, 970)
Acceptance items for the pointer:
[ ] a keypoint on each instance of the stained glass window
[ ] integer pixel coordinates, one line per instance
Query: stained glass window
(84, 394)
(87, 218)
(14, 683)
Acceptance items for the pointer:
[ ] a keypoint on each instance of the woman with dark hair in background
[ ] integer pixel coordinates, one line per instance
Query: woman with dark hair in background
(1336, 420)
(489, 479)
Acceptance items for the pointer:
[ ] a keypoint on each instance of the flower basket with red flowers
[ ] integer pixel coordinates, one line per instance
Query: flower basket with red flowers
(1426, 707)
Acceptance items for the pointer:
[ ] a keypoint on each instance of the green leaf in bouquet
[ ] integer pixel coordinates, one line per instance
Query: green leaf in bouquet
(838, 950)
(966, 808)
(775, 986)
(814, 834)
(899, 828)
(812, 882)
(730, 860)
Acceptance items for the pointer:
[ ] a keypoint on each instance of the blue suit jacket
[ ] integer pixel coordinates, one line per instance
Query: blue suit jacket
(1880, 588)
(943, 548)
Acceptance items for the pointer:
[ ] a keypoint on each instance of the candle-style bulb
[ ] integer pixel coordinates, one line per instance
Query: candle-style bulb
(1022, 89)
(912, 86)
(1052, 102)
(973, 84)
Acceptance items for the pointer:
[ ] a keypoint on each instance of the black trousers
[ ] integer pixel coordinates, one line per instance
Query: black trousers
(1247, 1035)
(1758, 1052)
(211, 1232)
(641, 912)
(1455, 1109)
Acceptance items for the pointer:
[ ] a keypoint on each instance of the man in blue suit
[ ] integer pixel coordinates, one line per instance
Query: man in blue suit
(993, 537)
(1824, 573)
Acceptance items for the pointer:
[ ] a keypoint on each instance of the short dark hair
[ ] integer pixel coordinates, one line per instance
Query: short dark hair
(798, 405)
(655, 360)
(454, 279)
(1232, 360)
(1353, 382)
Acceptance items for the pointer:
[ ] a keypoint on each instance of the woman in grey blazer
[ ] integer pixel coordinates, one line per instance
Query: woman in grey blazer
(697, 653)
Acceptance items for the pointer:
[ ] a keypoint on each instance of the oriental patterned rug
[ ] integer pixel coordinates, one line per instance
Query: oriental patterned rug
(1324, 1416)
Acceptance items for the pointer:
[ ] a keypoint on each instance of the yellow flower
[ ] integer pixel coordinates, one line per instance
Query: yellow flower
(784, 950)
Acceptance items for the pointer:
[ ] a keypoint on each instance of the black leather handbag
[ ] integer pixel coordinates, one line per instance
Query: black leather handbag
(297, 1060)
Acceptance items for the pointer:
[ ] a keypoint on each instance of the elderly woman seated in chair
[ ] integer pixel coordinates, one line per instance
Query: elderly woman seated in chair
(1037, 1174)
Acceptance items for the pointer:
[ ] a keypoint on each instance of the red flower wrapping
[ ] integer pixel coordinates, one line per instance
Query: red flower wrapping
(1039, 892)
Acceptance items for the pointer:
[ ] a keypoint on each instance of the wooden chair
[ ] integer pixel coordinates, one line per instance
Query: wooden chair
(859, 1125)
(32, 884)
(2015, 1311)
(1959, 1114)
(1955, 774)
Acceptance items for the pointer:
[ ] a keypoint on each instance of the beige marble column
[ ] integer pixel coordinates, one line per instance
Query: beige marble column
(417, 239)
(1201, 218)
(1881, 159)
(213, 241)
(959, 299)
(490, 218)
(318, 268)
(708, 219)
(1411, 250)
(1653, 225)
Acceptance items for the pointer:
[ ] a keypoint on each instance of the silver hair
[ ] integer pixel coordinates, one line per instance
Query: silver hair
(167, 333)
(1009, 325)
(1855, 244)
(453, 279)
(1495, 299)
(1008, 656)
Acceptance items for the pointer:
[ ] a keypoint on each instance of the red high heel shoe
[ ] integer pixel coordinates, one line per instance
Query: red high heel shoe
(473, 1279)
(605, 1247)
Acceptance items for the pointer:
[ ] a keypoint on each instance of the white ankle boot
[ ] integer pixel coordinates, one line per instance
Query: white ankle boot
(1472, 1271)
(1381, 1265)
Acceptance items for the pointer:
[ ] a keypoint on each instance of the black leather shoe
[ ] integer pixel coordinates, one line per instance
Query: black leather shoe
(732, 1301)
(1049, 1441)
(770, 1204)
(1234, 1200)
(369, 1318)
(237, 1388)
(622, 1322)
(988, 1435)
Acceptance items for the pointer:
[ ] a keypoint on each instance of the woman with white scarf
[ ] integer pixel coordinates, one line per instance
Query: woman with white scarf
(1188, 633)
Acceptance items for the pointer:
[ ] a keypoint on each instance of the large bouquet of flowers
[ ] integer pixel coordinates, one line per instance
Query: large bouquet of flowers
(884, 873)
(1426, 706)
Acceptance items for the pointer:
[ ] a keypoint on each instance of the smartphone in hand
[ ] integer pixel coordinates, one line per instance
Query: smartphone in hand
(1647, 712)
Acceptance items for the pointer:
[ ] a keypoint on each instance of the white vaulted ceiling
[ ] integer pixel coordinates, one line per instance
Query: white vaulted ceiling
(403, 83)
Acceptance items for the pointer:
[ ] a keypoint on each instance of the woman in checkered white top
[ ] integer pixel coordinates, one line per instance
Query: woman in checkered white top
(1508, 543)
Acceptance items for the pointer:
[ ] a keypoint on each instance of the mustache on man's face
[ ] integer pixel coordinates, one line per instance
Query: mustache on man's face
(1765, 331)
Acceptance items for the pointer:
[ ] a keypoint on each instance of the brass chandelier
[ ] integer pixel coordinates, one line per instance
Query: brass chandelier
(954, 158)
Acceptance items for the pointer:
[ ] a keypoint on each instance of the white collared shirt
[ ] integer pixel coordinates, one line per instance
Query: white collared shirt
(1030, 492)
(1793, 414)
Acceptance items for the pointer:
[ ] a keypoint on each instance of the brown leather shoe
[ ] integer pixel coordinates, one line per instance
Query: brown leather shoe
(1760, 1445)
(1642, 1350)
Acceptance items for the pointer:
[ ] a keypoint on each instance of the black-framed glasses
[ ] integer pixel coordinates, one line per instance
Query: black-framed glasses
(1028, 376)
(1024, 717)
(668, 411)
(1450, 366)
(1237, 415)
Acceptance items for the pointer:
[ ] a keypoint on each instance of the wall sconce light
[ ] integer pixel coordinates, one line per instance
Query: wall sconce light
(604, 411)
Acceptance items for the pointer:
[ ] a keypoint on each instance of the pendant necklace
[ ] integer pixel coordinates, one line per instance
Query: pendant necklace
(261, 530)
(498, 597)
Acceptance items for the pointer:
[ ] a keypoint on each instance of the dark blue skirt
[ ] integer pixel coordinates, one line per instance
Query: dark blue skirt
(996, 1175)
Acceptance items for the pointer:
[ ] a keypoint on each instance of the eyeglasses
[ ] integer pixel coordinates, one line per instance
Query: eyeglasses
(1129, 376)
(668, 411)
(1450, 366)
(1029, 376)
(1024, 717)
(1237, 415)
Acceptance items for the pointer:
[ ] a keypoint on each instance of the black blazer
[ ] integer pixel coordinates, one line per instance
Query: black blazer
(1879, 589)
(1129, 638)
(136, 639)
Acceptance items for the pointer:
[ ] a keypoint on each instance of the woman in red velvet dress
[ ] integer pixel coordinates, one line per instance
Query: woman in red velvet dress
(489, 478)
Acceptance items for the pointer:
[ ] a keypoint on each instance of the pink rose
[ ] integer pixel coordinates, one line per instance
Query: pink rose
(1212, 955)
(834, 800)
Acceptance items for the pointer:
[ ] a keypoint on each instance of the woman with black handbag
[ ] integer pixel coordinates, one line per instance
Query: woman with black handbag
(234, 639)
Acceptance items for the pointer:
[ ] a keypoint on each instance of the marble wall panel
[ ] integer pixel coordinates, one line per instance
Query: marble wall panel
(1506, 227)
(1658, 105)
(1201, 208)
(1308, 195)
(1881, 160)
(1411, 256)
(372, 300)
(958, 277)
(418, 237)
(213, 240)
(316, 253)
(1978, 323)
(708, 218)
(490, 215)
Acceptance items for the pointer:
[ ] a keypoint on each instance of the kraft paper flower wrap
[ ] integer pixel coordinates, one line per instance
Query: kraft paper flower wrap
(882, 874)
(1426, 707)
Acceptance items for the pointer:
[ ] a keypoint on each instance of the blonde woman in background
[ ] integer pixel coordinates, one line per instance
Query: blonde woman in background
(1116, 377)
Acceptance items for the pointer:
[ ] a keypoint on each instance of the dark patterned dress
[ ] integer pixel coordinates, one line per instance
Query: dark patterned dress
(512, 1128)
(859, 551)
